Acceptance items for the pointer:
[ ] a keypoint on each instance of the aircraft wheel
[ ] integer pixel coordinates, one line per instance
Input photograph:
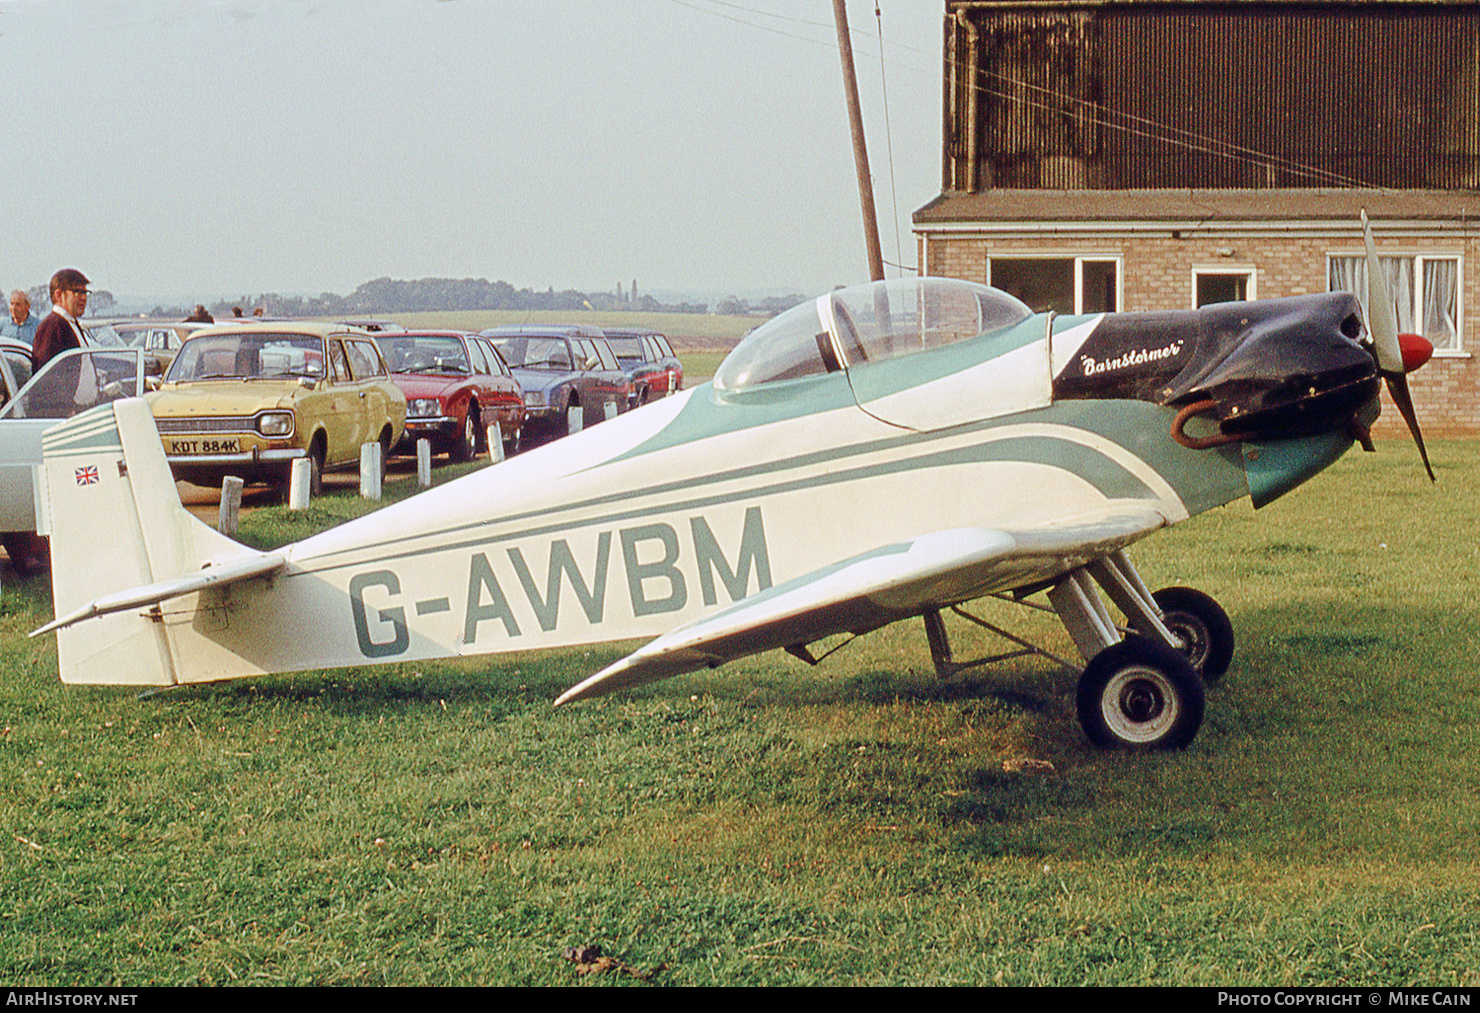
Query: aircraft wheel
(1140, 694)
(466, 443)
(1202, 626)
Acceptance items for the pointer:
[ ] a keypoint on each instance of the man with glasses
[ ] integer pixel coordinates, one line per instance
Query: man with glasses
(22, 324)
(62, 328)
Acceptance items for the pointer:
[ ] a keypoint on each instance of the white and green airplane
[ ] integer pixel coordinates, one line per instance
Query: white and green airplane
(884, 452)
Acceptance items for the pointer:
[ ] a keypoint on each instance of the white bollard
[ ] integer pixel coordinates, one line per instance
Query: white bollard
(370, 470)
(300, 478)
(231, 504)
(610, 408)
(424, 463)
(575, 419)
(495, 437)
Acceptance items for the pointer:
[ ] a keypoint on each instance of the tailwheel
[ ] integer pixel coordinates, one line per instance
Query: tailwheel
(1140, 694)
(1202, 626)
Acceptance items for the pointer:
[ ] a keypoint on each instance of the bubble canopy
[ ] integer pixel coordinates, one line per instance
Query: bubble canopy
(867, 323)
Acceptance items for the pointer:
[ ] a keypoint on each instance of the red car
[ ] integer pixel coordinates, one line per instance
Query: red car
(456, 386)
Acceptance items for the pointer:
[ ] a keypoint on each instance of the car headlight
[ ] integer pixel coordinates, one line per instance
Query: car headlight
(534, 399)
(275, 423)
(422, 407)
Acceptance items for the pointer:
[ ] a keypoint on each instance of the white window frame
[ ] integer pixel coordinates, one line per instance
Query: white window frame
(1249, 272)
(1419, 257)
(1080, 259)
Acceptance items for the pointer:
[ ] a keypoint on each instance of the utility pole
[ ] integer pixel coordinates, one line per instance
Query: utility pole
(860, 149)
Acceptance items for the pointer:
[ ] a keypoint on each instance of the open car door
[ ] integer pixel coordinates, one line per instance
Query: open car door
(67, 385)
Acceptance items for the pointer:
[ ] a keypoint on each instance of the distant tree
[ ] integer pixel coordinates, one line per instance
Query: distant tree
(773, 305)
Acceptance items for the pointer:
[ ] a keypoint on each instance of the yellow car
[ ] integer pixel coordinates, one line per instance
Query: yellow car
(249, 399)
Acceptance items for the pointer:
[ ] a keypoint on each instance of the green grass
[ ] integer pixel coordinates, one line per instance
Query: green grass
(768, 823)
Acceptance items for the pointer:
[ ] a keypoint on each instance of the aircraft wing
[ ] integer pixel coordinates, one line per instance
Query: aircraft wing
(873, 589)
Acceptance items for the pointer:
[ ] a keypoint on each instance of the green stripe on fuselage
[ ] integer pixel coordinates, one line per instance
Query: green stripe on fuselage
(1201, 478)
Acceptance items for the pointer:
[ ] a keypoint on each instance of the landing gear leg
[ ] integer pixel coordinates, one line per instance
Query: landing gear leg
(1143, 691)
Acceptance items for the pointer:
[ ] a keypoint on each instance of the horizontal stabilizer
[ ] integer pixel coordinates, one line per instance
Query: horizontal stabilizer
(874, 589)
(153, 594)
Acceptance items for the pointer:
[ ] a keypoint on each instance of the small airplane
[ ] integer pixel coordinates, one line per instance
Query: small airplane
(884, 452)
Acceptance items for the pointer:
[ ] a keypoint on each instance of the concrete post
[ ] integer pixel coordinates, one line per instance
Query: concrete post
(300, 478)
(424, 463)
(370, 470)
(231, 505)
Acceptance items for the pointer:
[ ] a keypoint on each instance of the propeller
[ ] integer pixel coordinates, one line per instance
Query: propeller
(1397, 354)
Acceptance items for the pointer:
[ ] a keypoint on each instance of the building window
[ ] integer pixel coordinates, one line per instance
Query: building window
(1067, 285)
(1222, 284)
(1425, 288)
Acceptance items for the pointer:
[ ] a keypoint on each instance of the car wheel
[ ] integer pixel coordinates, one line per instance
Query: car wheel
(1140, 694)
(465, 446)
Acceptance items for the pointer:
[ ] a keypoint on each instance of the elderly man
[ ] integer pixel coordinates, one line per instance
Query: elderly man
(22, 325)
(62, 328)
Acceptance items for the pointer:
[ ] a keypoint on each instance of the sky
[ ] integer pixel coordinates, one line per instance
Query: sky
(201, 149)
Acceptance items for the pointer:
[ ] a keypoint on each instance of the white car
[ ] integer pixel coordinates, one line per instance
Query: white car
(67, 385)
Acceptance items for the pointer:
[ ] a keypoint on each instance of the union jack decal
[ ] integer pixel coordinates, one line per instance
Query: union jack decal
(87, 475)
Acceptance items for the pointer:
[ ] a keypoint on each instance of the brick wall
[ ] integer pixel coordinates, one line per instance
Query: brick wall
(1157, 274)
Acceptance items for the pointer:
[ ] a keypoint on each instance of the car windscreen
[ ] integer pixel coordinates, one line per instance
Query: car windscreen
(440, 353)
(105, 336)
(534, 352)
(248, 356)
(628, 350)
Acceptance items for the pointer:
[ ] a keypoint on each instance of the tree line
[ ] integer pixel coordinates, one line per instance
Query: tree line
(389, 296)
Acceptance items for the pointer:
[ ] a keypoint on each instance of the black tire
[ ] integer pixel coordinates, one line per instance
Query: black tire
(1140, 694)
(514, 443)
(1203, 627)
(28, 553)
(465, 444)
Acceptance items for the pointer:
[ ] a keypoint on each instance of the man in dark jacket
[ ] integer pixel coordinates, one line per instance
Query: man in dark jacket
(61, 329)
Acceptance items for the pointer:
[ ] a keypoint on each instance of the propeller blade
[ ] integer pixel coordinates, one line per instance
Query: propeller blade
(1382, 312)
(1382, 324)
(1397, 385)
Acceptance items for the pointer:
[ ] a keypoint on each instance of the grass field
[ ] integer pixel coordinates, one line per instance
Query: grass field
(767, 823)
(686, 330)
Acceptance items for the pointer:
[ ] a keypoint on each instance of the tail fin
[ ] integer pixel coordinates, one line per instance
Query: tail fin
(117, 524)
